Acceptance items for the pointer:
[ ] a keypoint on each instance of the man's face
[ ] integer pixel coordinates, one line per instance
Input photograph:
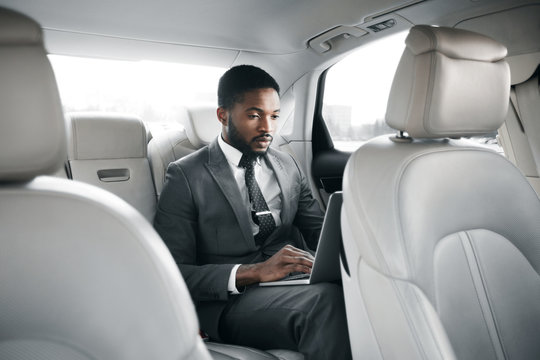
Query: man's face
(250, 123)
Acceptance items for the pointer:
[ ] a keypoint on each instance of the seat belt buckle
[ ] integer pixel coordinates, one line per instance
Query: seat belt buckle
(204, 336)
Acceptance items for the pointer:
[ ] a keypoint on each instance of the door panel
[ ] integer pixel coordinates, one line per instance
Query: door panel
(328, 163)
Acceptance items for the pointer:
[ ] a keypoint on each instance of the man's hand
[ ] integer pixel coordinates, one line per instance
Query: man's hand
(287, 260)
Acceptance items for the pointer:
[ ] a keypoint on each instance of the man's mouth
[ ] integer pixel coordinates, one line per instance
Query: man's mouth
(263, 139)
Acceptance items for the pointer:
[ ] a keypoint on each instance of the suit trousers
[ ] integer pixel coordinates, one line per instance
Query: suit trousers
(306, 318)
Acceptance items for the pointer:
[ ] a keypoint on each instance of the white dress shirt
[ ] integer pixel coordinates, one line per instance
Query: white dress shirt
(266, 179)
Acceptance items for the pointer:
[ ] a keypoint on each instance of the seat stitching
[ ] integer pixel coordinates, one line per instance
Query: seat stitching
(372, 327)
(415, 294)
(479, 284)
(408, 316)
(371, 237)
(488, 296)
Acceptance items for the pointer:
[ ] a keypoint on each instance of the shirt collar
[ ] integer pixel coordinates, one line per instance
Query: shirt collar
(232, 154)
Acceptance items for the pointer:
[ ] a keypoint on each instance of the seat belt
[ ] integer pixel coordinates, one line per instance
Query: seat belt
(526, 97)
(513, 101)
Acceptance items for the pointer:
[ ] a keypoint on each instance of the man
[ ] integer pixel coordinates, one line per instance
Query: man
(237, 213)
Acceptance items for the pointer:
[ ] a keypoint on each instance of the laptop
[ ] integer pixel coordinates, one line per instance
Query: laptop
(326, 264)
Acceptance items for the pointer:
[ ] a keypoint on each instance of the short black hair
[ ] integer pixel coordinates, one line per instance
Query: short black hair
(240, 79)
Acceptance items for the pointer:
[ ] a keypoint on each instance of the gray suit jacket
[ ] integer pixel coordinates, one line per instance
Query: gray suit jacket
(205, 224)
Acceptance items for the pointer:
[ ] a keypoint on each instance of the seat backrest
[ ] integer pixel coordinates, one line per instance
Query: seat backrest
(442, 237)
(172, 142)
(110, 151)
(82, 274)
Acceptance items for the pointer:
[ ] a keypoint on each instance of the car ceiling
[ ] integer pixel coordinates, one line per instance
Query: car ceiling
(276, 26)
(276, 33)
(263, 26)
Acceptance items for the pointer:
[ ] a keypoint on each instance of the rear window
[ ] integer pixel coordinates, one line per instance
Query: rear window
(154, 91)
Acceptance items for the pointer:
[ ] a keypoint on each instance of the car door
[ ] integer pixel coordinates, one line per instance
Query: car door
(350, 108)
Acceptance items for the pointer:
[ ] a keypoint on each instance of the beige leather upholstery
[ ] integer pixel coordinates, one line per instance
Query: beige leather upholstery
(445, 101)
(109, 151)
(172, 142)
(27, 71)
(202, 126)
(442, 238)
(82, 274)
(169, 143)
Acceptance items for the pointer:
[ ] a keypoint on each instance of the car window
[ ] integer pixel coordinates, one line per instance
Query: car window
(356, 91)
(154, 91)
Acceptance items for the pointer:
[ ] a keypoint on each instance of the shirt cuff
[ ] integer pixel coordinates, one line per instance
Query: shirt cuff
(232, 281)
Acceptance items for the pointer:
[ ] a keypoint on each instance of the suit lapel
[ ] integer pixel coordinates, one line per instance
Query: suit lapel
(219, 168)
(284, 182)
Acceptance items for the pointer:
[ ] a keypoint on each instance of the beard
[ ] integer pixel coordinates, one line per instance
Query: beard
(241, 145)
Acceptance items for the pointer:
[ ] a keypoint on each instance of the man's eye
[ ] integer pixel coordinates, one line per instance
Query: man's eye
(275, 117)
(253, 116)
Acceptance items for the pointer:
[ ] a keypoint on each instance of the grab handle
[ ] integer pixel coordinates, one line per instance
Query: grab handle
(113, 175)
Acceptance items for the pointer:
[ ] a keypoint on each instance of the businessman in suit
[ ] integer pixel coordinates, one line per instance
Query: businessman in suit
(237, 213)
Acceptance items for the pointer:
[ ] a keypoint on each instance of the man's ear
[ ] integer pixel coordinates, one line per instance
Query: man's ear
(222, 115)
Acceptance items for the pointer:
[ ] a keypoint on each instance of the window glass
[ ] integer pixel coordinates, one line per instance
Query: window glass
(154, 91)
(356, 91)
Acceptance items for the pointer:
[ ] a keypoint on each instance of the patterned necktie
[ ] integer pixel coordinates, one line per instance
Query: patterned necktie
(259, 209)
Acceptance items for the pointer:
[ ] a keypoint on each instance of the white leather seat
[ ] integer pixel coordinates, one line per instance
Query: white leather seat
(200, 127)
(82, 274)
(442, 238)
(110, 151)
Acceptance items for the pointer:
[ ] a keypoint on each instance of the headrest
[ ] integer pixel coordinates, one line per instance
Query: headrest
(202, 125)
(449, 83)
(32, 127)
(106, 136)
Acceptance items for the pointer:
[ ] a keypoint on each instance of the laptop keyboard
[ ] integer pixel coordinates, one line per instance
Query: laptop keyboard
(296, 277)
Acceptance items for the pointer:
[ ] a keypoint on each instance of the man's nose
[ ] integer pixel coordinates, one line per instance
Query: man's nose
(266, 124)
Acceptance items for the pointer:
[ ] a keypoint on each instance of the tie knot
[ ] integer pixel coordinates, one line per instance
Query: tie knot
(247, 161)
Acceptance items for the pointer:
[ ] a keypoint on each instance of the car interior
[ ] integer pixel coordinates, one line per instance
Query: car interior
(440, 220)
